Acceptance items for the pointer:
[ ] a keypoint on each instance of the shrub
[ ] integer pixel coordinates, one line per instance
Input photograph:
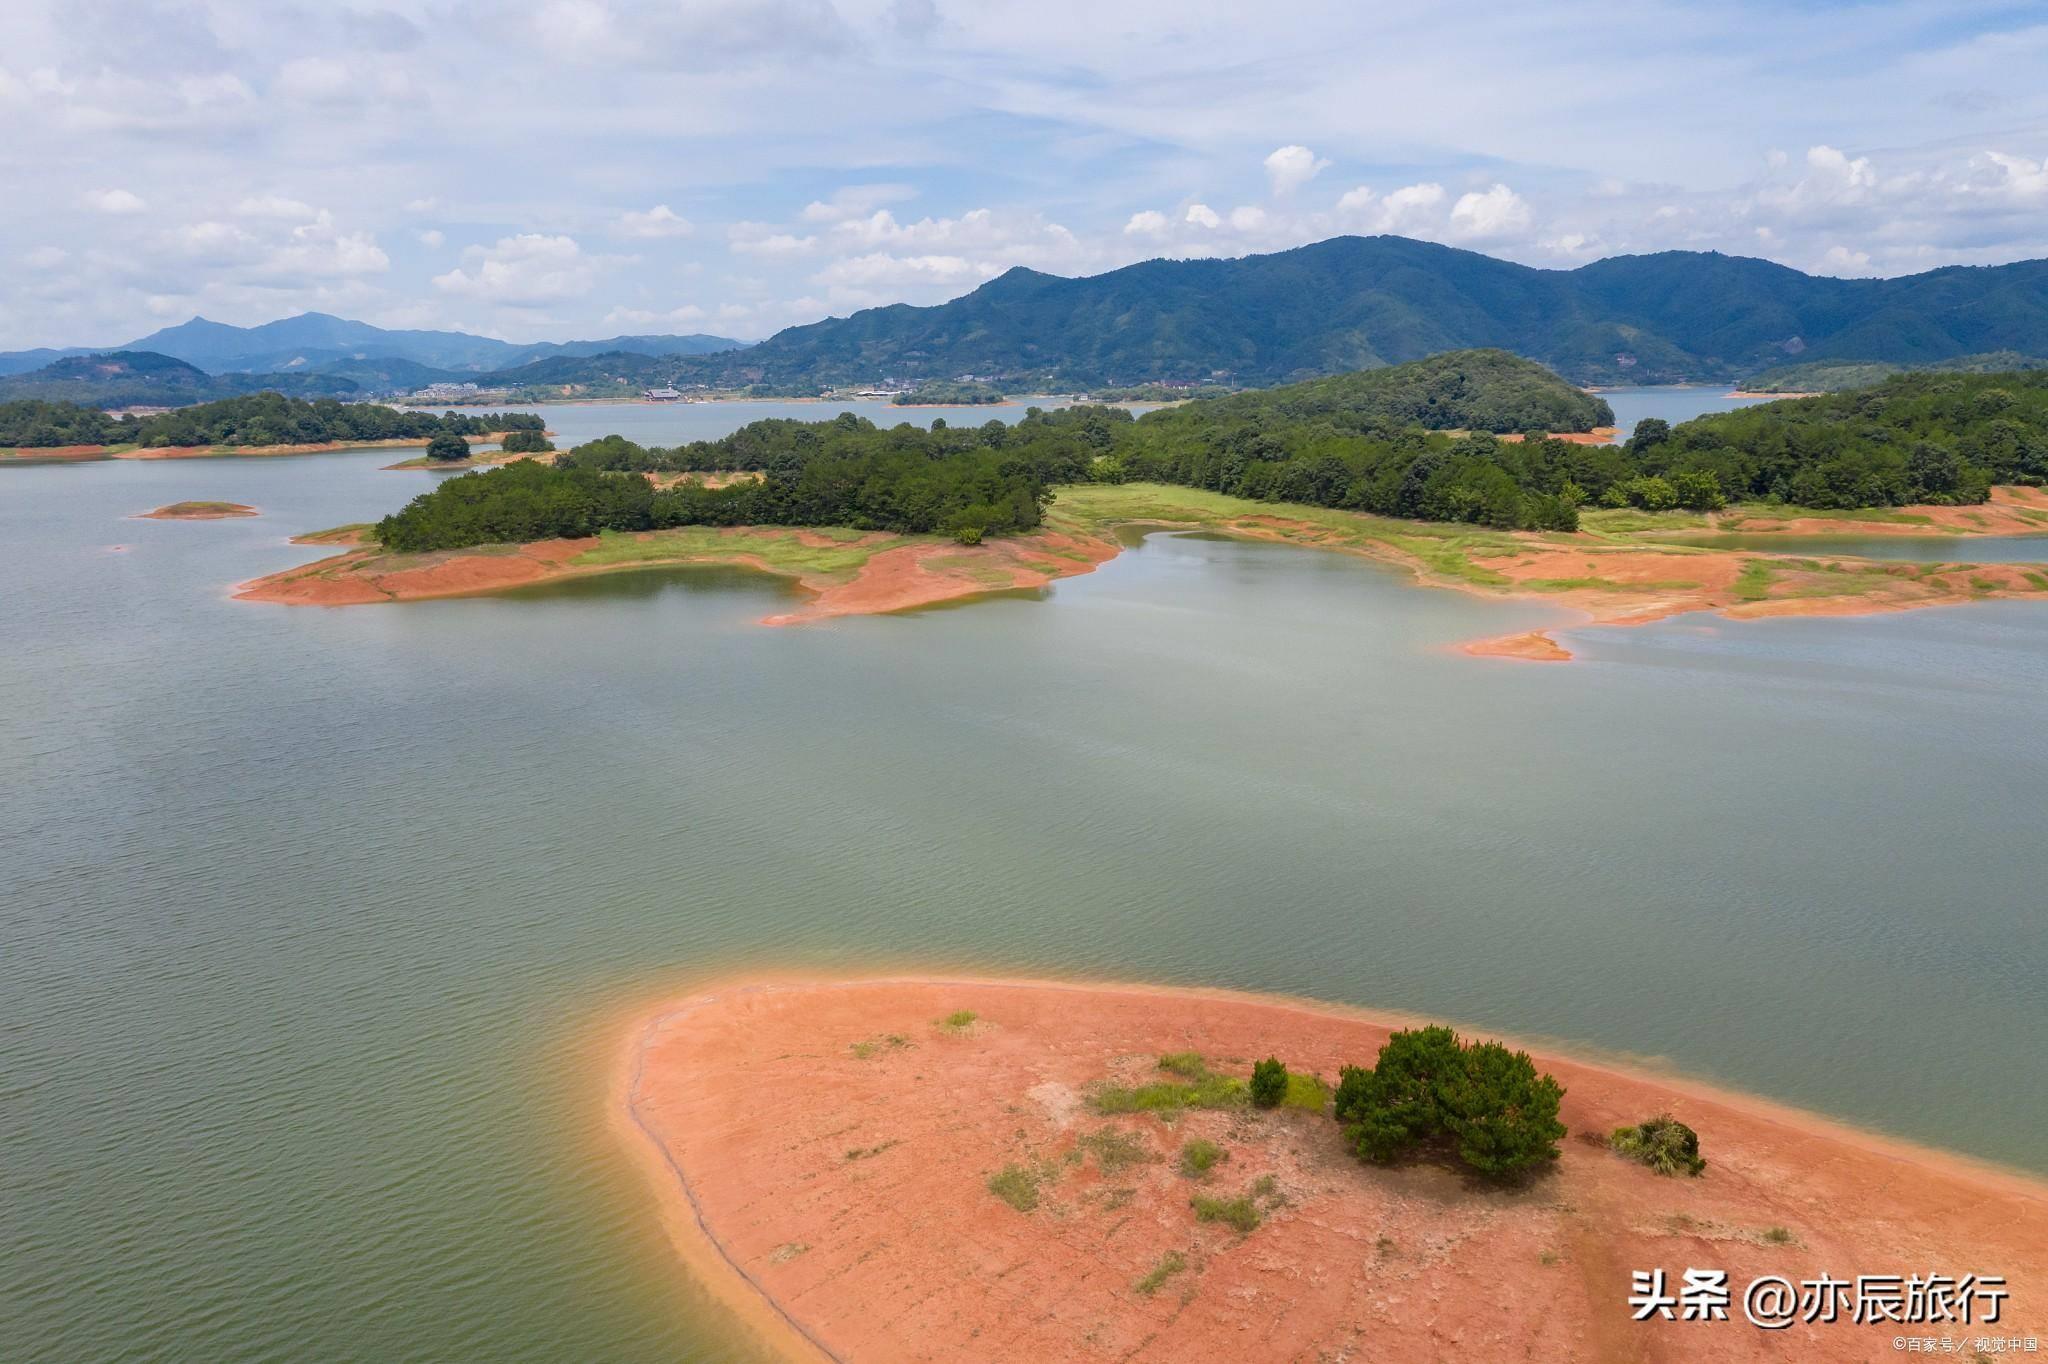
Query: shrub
(526, 443)
(1479, 1101)
(959, 1020)
(448, 447)
(1198, 1157)
(1239, 1212)
(1269, 1083)
(1663, 1143)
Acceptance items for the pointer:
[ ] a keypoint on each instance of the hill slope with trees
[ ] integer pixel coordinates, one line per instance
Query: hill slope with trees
(1357, 302)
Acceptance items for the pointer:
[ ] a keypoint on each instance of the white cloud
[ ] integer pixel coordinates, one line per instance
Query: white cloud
(855, 201)
(273, 206)
(1289, 168)
(656, 222)
(1149, 223)
(115, 201)
(431, 237)
(522, 271)
(763, 239)
(1248, 218)
(1498, 212)
(1201, 215)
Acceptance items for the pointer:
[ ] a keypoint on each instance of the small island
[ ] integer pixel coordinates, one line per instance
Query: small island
(959, 1170)
(199, 511)
(1452, 468)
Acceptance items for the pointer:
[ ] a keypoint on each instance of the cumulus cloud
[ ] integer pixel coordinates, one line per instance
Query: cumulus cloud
(1201, 215)
(1488, 216)
(115, 201)
(431, 237)
(1149, 223)
(656, 222)
(523, 271)
(1289, 168)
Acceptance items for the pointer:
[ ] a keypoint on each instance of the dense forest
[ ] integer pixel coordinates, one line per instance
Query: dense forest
(1331, 443)
(256, 419)
(1832, 376)
(966, 482)
(1924, 437)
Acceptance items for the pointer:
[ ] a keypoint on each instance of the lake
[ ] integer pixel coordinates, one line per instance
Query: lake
(319, 930)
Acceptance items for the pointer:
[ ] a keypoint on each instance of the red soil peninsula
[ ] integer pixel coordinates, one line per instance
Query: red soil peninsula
(823, 1154)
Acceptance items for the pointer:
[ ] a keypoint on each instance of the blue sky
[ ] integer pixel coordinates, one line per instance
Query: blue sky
(560, 168)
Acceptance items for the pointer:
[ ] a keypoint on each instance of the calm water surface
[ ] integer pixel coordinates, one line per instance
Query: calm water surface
(318, 928)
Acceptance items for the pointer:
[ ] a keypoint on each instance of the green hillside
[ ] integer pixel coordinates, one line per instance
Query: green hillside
(1359, 302)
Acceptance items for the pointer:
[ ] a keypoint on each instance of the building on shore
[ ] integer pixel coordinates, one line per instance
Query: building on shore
(660, 395)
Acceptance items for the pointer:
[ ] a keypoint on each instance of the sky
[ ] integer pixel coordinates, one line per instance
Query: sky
(556, 169)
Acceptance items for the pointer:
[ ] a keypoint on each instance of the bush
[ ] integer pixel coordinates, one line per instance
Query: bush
(1198, 1157)
(1479, 1101)
(448, 447)
(526, 443)
(1239, 1212)
(1663, 1143)
(1269, 1083)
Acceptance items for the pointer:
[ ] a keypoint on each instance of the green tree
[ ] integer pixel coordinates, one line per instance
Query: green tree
(1479, 1101)
(447, 446)
(1269, 1083)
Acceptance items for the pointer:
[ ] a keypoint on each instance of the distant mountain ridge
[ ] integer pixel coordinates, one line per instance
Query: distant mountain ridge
(1357, 302)
(318, 341)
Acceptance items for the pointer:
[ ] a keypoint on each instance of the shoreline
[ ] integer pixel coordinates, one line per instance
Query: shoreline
(1609, 579)
(806, 1317)
(89, 453)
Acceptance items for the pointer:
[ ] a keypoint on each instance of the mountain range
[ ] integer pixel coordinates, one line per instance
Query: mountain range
(1357, 302)
(1345, 304)
(320, 343)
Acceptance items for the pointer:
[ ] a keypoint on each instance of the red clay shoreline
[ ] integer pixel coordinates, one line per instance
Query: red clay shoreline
(1635, 582)
(693, 1069)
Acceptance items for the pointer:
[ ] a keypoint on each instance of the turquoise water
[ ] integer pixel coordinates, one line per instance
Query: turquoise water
(318, 928)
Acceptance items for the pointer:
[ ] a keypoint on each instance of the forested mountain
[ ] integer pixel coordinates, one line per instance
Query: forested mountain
(317, 341)
(146, 379)
(1357, 302)
(1832, 376)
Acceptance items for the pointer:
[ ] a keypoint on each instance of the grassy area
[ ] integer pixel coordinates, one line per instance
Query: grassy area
(355, 532)
(960, 1020)
(1169, 1097)
(779, 549)
(1605, 585)
(1199, 1156)
(1196, 1087)
(1240, 1212)
(201, 508)
(1170, 1264)
(1754, 582)
(1612, 522)
(1115, 1149)
(1306, 1092)
(875, 1046)
(1018, 1185)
